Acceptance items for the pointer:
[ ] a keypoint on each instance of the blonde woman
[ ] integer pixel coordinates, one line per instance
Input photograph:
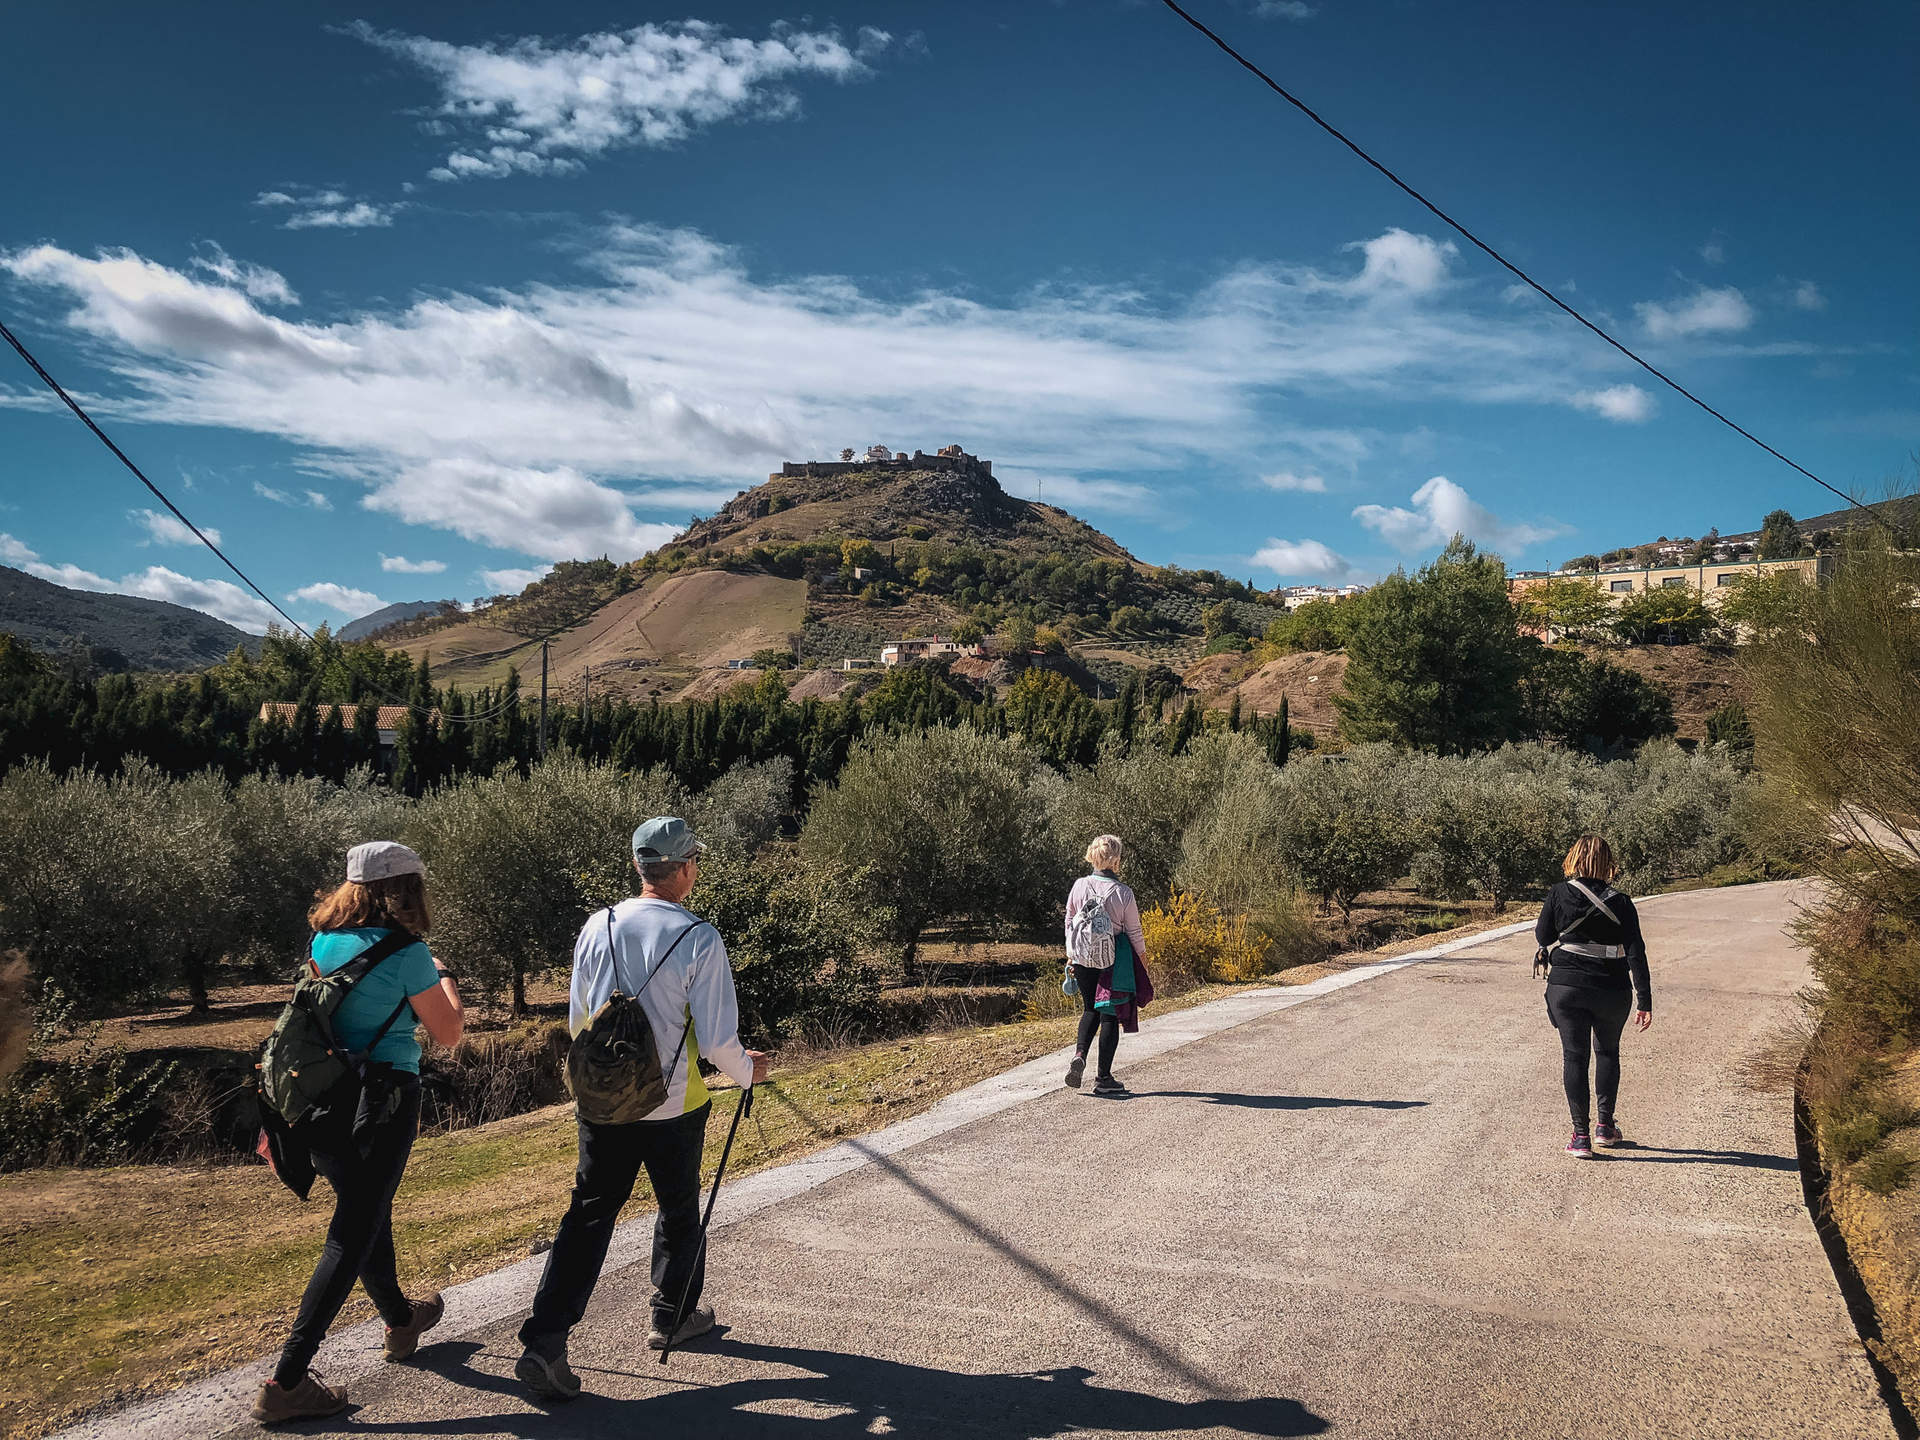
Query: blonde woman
(1106, 958)
(1589, 934)
(384, 892)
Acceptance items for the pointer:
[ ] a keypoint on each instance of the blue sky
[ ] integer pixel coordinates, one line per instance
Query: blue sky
(410, 301)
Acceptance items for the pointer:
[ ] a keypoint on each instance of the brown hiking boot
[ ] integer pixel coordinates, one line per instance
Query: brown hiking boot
(311, 1399)
(403, 1340)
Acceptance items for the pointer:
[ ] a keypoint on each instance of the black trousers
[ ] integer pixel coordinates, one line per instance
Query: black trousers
(1090, 1019)
(359, 1243)
(611, 1157)
(1589, 1021)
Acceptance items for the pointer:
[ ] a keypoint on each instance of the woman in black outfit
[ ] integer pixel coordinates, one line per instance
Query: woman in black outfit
(1589, 935)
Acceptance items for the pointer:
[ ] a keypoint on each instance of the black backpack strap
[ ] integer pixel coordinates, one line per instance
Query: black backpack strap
(356, 970)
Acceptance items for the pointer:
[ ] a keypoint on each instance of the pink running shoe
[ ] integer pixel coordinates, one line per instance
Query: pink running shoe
(1580, 1147)
(1607, 1134)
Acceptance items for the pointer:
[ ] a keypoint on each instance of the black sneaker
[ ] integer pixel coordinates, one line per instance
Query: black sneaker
(1107, 1085)
(548, 1376)
(1607, 1135)
(1075, 1068)
(1580, 1147)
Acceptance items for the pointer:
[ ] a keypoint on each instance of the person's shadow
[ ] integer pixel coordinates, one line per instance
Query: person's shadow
(1741, 1159)
(830, 1395)
(1276, 1102)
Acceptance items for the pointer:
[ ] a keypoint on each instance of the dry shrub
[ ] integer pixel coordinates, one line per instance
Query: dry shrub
(493, 1077)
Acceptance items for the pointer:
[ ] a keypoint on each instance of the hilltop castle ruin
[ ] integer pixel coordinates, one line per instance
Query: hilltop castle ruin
(948, 457)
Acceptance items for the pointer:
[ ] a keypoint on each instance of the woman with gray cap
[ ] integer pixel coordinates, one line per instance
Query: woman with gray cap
(675, 965)
(383, 901)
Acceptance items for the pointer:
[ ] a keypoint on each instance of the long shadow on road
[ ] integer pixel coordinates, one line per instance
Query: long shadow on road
(1744, 1159)
(829, 1395)
(1275, 1102)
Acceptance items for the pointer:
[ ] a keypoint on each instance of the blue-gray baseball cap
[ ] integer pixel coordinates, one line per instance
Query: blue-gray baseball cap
(665, 838)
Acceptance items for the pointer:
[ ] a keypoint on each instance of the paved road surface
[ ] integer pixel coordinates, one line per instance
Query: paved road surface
(1349, 1218)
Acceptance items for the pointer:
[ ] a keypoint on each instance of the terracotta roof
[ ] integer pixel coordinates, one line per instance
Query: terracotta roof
(385, 717)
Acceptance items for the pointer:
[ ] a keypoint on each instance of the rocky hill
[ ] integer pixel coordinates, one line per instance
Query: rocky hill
(112, 632)
(830, 561)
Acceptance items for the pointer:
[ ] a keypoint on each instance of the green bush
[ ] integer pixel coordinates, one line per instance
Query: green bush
(1345, 824)
(1666, 615)
(74, 1102)
(1885, 1171)
(515, 865)
(1491, 829)
(944, 825)
(802, 939)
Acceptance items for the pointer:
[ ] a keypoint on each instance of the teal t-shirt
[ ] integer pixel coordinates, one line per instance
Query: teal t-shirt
(403, 973)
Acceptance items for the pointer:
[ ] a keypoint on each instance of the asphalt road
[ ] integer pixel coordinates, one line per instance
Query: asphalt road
(1348, 1218)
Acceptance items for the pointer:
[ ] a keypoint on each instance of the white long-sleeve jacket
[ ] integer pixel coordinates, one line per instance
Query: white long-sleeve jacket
(695, 988)
(1119, 903)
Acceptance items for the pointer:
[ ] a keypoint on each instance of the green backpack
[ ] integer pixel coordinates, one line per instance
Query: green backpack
(613, 1067)
(303, 1066)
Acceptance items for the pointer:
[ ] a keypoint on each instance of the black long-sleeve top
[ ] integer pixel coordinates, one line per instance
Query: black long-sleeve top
(1565, 905)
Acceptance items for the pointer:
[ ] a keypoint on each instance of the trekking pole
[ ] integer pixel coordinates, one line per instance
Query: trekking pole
(700, 1250)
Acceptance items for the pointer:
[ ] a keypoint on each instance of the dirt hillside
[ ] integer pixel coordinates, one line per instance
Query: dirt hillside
(671, 625)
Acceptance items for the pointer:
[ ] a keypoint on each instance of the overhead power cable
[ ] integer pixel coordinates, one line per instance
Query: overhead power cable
(85, 419)
(1507, 265)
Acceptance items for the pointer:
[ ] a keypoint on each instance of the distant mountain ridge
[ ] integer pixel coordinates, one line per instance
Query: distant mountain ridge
(396, 614)
(116, 632)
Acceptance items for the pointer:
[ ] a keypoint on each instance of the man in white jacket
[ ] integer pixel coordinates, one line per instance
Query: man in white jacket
(676, 963)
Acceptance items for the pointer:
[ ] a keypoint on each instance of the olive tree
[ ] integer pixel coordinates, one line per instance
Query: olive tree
(948, 825)
(515, 864)
(1345, 828)
(1491, 829)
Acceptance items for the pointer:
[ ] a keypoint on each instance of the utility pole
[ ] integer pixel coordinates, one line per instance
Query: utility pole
(543, 699)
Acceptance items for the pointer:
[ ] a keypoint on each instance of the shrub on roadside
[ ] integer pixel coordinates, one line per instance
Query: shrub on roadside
(75, 1101)
(1189, 942)
(1344, 823)
(1491, 829)
(948, 825)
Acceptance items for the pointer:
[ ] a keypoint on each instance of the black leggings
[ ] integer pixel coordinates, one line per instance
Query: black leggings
(1589, 1018)
(360, 1236)
(1091, 1019)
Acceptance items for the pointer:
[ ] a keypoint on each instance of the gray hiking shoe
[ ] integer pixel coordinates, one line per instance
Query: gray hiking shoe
(1075, 1069)
(548, 1376)
(698, 1323)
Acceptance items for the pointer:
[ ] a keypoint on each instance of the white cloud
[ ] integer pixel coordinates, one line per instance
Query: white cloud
(163, 529)
(1284, 10)
(1402, 261)
(284, 497)
(565, 420)
(531, 107)
(1807, 296)
(1288, 482)
(1442, 509)
(1115, 497)
(1628, 404)
(307, 209)
(348, 601)
(256, 281)
(16, 552)
(1714, 252)
(556, 513)
(1702, 312)
(400, 565)
(1300, 557)
(512, 582)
